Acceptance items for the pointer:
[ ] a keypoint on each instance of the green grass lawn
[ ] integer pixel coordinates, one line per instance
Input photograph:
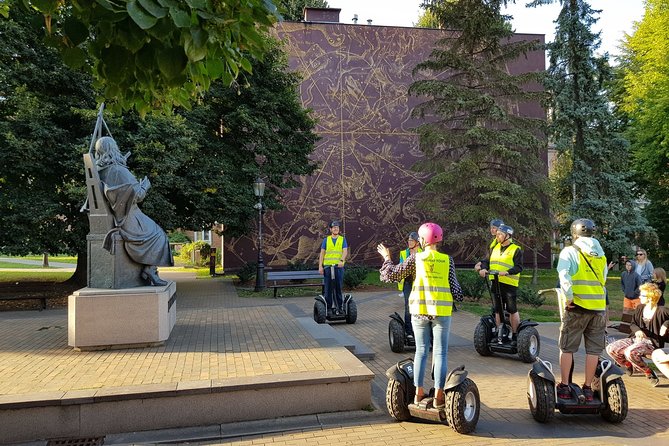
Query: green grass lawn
(39, 258)
(34, 276)
(18, 265)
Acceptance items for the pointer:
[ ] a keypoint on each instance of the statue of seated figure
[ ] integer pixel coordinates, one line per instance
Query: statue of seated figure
(145, 242)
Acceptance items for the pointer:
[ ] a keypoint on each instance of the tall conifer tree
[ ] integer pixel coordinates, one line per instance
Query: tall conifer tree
(596, 180)
(482, 154)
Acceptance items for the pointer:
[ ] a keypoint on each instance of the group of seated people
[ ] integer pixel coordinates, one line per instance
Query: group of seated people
(649, 332)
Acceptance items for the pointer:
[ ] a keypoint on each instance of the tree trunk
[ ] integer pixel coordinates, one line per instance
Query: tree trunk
(80, 276)
(45, 260)
(535, 264)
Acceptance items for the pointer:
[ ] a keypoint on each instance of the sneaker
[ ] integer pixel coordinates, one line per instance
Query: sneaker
(563, 392)
(588, 393)
(652, 378)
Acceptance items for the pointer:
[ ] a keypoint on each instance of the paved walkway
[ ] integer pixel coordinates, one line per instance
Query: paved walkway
(222, 336)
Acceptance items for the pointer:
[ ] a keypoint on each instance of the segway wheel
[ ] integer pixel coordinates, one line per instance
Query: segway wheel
(481, 340)
(398, 406)
(616, 401)
(396, 336)
(463, 406)
(541, 397)
(320, 312)
(351, 312)
(528, 344)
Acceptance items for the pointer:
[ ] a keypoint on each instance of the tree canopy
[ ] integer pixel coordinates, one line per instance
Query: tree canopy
(145, 54)
(643, 95)
(293, 9)
(482, 154)
(201, 163)
(596, 181)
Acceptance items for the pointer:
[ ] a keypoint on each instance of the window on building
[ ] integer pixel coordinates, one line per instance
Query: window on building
(204, 236)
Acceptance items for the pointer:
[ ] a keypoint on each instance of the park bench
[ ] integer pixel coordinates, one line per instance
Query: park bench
(286, 279)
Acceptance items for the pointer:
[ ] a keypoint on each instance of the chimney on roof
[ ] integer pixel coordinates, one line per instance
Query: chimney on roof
(328, 15)
(369, 21)
(355, 19)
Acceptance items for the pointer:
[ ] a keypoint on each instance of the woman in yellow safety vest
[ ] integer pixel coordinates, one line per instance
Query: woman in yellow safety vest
(430, 303)
(405, 285)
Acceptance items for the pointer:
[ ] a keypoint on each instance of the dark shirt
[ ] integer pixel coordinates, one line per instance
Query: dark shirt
(652, 328)
(395, 273)
(630, 282)
(661, 285)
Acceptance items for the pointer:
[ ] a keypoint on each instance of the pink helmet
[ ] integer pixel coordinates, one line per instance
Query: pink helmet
(431, 233)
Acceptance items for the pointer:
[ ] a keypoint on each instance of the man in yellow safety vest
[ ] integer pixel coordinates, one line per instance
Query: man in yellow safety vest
(413, 247)
(334, 250)
(582, 272)
(506, 258)
(495, 223)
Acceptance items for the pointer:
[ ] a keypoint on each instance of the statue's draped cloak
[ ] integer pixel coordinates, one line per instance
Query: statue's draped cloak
(145, 242)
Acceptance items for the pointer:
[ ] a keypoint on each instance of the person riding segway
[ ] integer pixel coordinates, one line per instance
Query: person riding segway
(333, 305)
(455, 399)
(582, 272)
(400, 331)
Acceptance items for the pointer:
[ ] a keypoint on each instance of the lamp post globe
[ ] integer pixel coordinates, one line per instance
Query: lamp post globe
(259, 191)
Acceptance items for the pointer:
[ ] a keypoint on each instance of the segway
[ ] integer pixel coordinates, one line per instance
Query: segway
(348, 312)
(490, 338)
(610, 394)
(397, 336)
(463, 404)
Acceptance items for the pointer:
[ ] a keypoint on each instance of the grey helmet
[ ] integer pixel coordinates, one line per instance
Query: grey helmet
(506, 229)
(414, 236)
(334, 223)
(496, 222)
(582, 227)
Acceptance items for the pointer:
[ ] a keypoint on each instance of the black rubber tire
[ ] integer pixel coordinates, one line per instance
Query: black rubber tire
(396, 401)
(396, 336)
(463, 407)
(351, 312)
(541, 398)
(529, 344)
(481, 340)
(320, 312)
(616, 401)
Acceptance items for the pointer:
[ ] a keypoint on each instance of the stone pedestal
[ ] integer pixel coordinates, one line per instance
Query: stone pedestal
(126, 318)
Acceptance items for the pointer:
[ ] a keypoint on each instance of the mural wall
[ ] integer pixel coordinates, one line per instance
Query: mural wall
(355, 79)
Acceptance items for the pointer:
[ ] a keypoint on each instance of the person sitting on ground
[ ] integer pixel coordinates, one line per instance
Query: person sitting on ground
(649, 325)
(430, 303)
(660, 279)
(660, 357)
(630, 282)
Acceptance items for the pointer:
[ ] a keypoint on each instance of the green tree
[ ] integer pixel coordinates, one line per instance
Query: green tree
(643, 95)
(427, 20)
(482, 155)
(148, 53)
(293, 9)
(201, 163)
(599, 183)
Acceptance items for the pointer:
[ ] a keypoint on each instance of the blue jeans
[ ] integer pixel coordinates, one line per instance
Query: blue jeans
(329, 289)
(439, 327)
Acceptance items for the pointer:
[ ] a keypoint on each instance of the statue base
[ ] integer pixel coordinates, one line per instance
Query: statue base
(102, 319)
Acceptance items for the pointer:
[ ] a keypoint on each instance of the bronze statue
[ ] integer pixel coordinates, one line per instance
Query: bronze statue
(145, 242)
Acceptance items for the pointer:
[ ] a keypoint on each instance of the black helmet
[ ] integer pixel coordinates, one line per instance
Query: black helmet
(496, 222)
(334, 223)
(413, 236)
(506, 229)
(582, 227)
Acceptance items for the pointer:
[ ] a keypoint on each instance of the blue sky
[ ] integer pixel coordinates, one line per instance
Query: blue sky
(616, 18)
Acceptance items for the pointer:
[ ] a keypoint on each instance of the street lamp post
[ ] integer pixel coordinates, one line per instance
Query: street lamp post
(259, 191)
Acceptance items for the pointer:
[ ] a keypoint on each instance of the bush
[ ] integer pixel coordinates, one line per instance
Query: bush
(354, 275)
(247, 273)
(529, 296)
(472, 284)
(186, 253)
(178, 237)
(301, 266)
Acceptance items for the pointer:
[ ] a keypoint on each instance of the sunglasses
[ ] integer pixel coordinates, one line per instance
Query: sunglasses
(639, 254)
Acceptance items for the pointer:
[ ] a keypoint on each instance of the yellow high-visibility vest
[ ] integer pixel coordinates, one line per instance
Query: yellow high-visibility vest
(586, 285)
(431, 292)
(503, 261)
(403, 256)
(334, 250)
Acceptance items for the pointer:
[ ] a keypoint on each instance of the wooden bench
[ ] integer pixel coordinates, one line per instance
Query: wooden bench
(284, 279)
